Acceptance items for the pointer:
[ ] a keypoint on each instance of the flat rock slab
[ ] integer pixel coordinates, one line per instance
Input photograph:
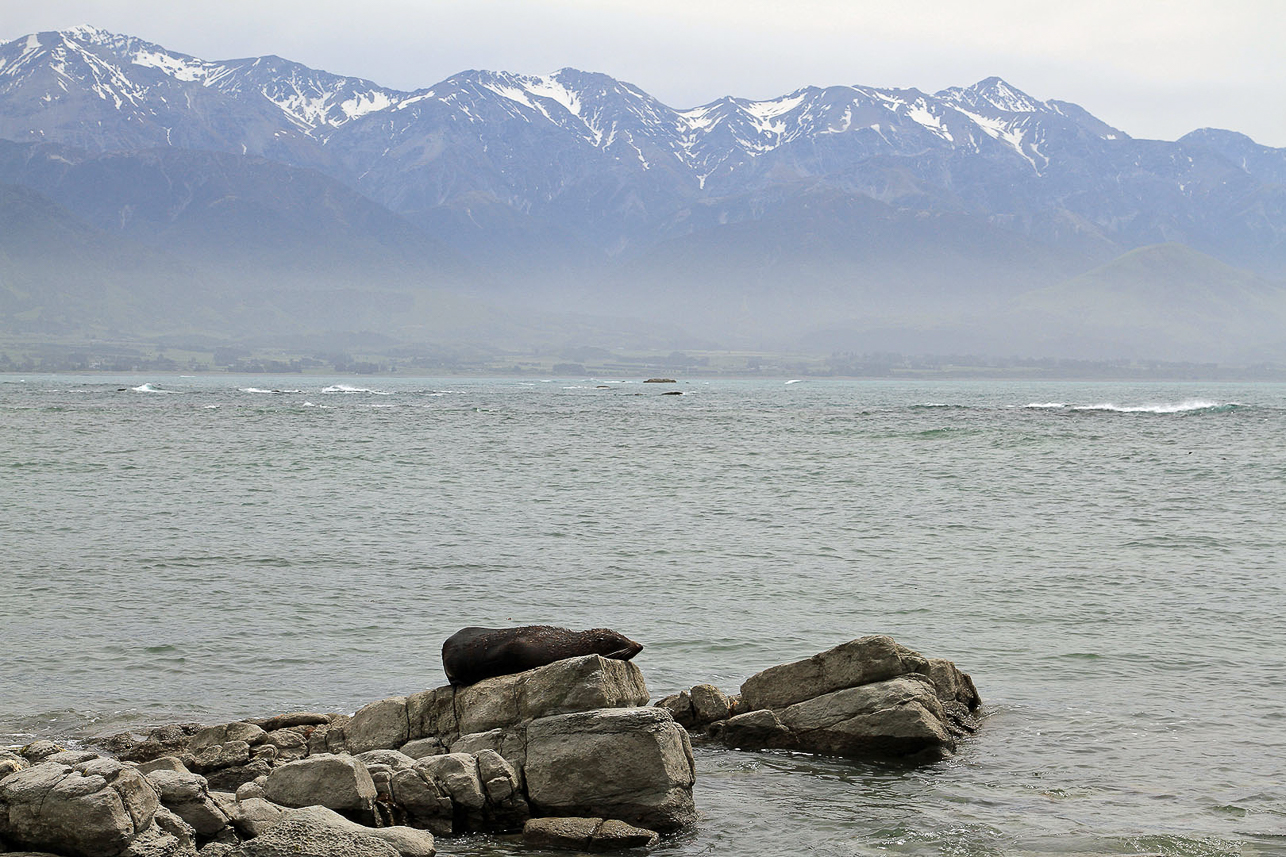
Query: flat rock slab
(586, 834)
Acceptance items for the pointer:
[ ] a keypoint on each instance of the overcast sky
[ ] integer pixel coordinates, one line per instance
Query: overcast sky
(1154, 68)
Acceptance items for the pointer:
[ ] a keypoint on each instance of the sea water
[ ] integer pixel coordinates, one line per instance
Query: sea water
(1107, 560)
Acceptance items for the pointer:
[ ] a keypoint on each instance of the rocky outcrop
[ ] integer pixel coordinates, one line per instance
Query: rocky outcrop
(568, 742)
(867, 698)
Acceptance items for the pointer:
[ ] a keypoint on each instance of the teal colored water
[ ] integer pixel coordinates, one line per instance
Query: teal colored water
(1107, 560)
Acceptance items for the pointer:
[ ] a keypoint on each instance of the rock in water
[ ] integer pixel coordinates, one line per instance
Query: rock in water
(473, 654)
(867, 698)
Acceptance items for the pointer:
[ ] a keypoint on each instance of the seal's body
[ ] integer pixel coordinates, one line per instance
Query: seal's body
(472, 654)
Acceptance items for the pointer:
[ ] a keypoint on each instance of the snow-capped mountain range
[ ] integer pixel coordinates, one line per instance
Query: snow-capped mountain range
(557, 176)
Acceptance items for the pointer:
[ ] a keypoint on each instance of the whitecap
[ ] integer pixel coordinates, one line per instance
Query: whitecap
(148, 388)
(347, 388)
(1045, 405)
(793, 381)
(1186, 406)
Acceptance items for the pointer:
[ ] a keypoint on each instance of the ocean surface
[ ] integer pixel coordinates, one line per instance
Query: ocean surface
(1108, 561)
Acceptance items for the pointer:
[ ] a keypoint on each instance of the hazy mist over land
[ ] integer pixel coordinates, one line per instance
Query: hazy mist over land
(146, 194)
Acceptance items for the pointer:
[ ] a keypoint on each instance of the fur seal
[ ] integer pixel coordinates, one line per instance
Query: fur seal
(472, 654)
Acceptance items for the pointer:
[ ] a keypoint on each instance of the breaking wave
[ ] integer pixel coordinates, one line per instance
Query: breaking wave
(1187, 406)
(346, 388)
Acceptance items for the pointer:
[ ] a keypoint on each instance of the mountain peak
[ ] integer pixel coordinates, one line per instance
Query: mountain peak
(90, 34)
(995, 93)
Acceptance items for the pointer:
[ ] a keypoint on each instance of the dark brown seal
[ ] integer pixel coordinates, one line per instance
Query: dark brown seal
(472, 654)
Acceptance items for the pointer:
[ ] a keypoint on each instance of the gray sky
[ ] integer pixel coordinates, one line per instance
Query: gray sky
(1154, 68)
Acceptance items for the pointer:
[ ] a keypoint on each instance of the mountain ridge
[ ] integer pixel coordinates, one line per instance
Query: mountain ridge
(574, 190)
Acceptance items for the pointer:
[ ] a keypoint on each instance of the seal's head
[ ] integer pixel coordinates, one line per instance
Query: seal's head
(610, 644)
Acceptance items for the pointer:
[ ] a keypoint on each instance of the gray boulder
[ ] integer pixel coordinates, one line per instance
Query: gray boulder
(72, 757)
(510, 743)
(212, 736)
(330, 737)
(586, 834)
(254, 788)
(213, 757)
(422, 747)
(391, 759)
(233, 778)
(253, 816)
(187, 795)
(867, 698)
(381, 725)
(10, 762)
(754, 730)
(308, 827)
(423, 800)
(183, 834)
(164, 763)
(575, 684)
(614, 835)
(697, 708)
(305, 837)
(289, 744)
(431, 714)
(857, 662)
(37, 751)
(457, 775)
(85, 814)
(156, 841)
(293, 720)
(633, 764)
(899, 717)
(336, 782)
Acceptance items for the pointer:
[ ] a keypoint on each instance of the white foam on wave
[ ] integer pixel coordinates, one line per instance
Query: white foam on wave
(348, 388)
(1185, 406)
(793, 381)
(1046, 406)
(149, 388)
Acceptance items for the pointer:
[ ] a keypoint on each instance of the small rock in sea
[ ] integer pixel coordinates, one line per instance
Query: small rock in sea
(867, 698)
(660, 381)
